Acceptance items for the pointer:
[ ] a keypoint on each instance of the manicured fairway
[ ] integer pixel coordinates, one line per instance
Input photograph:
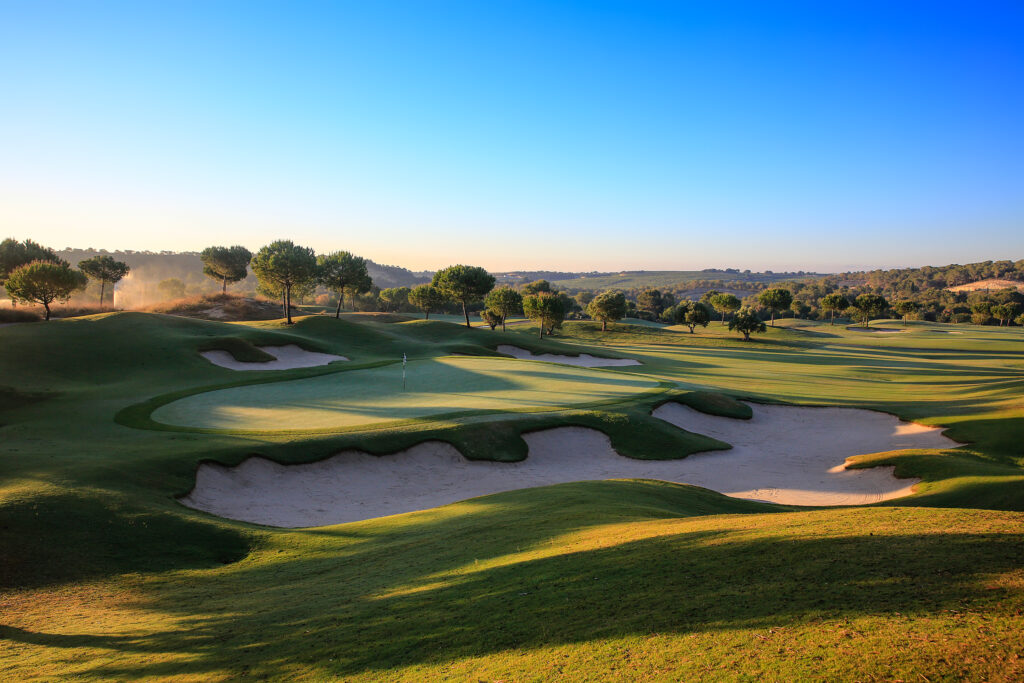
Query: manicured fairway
(105, 575)
(375, 395)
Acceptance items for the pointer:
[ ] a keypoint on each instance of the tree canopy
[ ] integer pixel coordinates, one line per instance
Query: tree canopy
(104, 269)
(834, 302)
(427, 298)
(725, 303)
(43, 282)
(504, 301)
(341, 271)
(691, 314)
(394, 297)
(652, 301)
(227, 264)
(746, 322)
(547, 309)
(282, 266)
(775, 298)
(869, 306)
(465, 284)
(607, 307)
(491, 317)
(905, 308)
(536, 287)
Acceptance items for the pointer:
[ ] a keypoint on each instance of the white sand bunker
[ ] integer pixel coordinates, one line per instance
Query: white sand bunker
(583, 360)
(784, 455)
(288, 357)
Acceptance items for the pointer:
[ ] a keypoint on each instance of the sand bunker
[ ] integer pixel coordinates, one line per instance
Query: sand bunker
(876, 330)
(288, 357)
(583, 360)
(784, 454)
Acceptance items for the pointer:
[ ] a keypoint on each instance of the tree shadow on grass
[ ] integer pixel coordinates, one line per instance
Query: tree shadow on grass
(414, 595)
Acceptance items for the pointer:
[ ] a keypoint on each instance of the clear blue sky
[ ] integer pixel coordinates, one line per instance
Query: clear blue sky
(570, 135)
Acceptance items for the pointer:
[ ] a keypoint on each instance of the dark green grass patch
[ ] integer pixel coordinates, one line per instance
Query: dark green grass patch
(66, 538)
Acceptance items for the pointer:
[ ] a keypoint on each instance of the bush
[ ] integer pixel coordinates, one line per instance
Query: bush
(18, 315)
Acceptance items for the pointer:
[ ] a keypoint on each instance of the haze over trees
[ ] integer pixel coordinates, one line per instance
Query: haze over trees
(746, 322)
(607, 307)
(226, 264)
(104, 269)
(545, 308)
(341, 272)
(464, 284)
(775, 298)
(282, 267)
(43, 282)
(505, 302)
(427, 298)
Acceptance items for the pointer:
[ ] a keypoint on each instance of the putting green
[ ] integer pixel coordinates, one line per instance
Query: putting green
(374, 395)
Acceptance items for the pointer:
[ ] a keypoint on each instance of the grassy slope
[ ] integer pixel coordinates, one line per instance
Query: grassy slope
(106, 574)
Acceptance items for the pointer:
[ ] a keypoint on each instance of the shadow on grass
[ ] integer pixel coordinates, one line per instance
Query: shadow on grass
(443, 587)
(60, 539)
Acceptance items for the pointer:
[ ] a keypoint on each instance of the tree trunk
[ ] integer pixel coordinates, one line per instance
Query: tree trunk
(723, 317)
(833, 317)
(102, 287)
(465, 313)
(604, 325)
(337, 313)
(224, 288)
(541, 329)
(288, 305)
(46, 305)
(502, 323)
(773, 317)
(746, 336)
(426, 314)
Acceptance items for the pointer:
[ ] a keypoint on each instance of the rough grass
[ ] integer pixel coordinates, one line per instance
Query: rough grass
(18, 315)
(226, 307)
(107, 577)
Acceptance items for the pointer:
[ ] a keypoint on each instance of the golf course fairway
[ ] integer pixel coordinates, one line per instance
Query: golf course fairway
(437, 386)
(105, 574)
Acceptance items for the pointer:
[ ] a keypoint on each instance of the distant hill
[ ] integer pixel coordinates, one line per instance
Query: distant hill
(682, 280)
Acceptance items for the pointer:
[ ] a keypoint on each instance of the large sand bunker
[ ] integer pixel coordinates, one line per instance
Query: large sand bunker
(583, 360)
(289, 357)
(784, 454)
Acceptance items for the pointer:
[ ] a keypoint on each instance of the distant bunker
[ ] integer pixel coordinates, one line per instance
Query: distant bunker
(287, 357)
(584, 360)
(784, 454)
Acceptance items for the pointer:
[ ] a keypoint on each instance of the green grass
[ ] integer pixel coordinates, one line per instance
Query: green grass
(104, 575)
(441, 386)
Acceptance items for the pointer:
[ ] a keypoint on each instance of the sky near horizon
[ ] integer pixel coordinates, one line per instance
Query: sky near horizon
(781, 135)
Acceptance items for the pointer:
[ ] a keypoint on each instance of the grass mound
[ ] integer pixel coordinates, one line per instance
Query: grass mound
(100, 538)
